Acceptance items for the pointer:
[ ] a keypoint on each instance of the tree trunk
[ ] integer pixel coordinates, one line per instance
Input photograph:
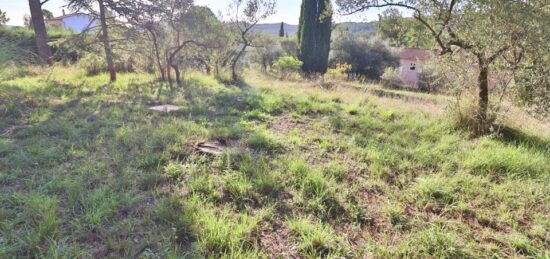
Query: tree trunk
(157, 54)
(40, 31)
(178, 74)
(234, 75)
(207, 68)
(105, 39)
(217, 69)
(483, 84)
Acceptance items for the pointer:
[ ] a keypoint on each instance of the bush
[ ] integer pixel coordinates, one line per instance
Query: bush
(430, 80)
(268, 53)
(367, 57)
(95, 64)
(465, 116)
(390, 78)
(290, 47)
(287, 65)
(340, 72)
(17, 47)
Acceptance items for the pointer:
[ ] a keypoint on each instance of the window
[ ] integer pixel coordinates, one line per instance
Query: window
(413, 66)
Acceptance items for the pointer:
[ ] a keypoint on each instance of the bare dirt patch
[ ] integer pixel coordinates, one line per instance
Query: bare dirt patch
(283, 126)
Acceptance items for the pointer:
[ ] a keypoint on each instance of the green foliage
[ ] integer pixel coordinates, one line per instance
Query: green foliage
(368, 57)
(476, 28)
(532, 84)
(390, 78)
(268, 51)
(17, 47)
(95, 64)
(290, 47)
(430, 79)
(287, 66)
(47, 14)
(3, 18)
(314, 35)
(402, 31)
(339, 72)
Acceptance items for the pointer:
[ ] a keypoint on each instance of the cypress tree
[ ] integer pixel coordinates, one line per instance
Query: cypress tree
(282, 30)
(314, 35)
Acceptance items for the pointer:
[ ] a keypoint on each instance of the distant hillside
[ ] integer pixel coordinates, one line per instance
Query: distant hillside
(273, 28)
(353, 27)
(359, 27)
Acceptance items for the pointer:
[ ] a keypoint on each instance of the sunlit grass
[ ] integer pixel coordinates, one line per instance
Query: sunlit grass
(87, 170)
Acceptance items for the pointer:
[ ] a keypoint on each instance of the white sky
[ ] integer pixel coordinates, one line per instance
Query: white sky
(288, 11)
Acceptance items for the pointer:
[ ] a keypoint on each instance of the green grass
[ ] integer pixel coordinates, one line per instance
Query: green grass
(86, 170)
(315, 239)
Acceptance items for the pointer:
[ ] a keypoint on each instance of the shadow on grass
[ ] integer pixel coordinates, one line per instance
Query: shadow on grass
(104, 138)
(514, 136)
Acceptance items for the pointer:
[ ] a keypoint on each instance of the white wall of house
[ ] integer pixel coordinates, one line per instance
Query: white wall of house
(79, 22)
(409, 70)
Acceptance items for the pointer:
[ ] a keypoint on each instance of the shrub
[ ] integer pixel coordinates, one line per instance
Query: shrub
(287, 65)
(464, 116)
(17, 46)
(367, 57)
(339, 72)
(95, 64)
(269, 51)
(390, 78)
(290, 47)
(430, 80)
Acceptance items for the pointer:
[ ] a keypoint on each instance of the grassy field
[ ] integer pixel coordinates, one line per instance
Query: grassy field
(86, 170)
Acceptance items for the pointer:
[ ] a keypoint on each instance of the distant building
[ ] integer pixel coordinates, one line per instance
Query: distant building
(77, 22)
(412, 61)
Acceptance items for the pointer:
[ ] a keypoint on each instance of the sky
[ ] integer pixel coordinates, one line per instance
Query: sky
(288, 11)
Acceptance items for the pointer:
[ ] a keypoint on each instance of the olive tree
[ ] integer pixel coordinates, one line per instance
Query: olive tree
(245, 14)
(267, 51)
(368, 57)
(489, 30)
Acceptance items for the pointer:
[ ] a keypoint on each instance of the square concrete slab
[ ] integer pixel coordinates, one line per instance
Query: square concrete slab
(165, 108)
